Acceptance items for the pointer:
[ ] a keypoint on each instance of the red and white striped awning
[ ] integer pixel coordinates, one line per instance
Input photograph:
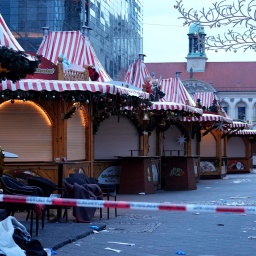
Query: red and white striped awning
(207, 118)
(175, 106)
(206, 98)
(6, 37)
(175, 91)
(129, 74)
(237, 124)
(60, 86)
(137, 73)
(75, 47)
(246, 132)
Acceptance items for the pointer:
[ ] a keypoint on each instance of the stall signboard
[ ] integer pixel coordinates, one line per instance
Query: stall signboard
(46, 70)
(110, 176)
(236, 165)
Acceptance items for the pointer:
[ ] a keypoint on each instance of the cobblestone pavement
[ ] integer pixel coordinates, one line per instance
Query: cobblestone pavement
(151, 233)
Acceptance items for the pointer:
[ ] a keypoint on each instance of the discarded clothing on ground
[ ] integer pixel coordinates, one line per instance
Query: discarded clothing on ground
(15, 240)
(85, 191)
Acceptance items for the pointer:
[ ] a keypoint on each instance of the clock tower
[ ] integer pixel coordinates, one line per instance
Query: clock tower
(196, 58)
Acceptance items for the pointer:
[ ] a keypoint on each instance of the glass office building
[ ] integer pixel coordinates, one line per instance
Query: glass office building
(116, 34)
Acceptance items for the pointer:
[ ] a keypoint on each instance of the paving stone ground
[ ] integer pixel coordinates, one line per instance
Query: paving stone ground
(155, 233)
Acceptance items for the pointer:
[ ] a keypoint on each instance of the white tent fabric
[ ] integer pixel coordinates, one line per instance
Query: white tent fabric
(75, 47)
(6, 37)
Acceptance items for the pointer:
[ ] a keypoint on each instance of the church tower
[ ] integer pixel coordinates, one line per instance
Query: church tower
(196, 58)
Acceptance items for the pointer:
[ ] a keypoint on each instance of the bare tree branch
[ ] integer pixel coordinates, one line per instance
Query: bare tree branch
(242, 13)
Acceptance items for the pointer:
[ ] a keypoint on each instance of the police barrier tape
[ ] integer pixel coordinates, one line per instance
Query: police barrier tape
(127, 205)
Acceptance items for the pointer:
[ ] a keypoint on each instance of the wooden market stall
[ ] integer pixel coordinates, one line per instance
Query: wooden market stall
(49, 123)
(210, 127)
(165, 137)
(240, 140)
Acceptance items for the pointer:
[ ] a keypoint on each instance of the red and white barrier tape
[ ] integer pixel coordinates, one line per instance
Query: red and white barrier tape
(127, 205)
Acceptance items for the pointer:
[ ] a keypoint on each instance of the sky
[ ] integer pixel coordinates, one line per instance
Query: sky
(165, 37)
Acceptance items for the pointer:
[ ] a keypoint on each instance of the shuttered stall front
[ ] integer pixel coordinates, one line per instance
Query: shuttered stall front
(26, 131)
(76, 136)
(236, 156)
(173, 142)
(116, 137)
(209, 164)
(208, 146)
(236, 147)
(194, 144)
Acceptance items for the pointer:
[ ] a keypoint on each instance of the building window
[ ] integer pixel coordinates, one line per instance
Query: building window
(241, 113)
(225, 109)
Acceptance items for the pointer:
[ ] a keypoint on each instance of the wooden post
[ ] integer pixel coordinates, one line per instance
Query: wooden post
(1, 161)
(189, 143)
(60, 69)
(59, 130)
(145, 144)
(90, 140)
(219, 150)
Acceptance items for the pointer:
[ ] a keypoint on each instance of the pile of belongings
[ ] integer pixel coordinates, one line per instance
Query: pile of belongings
(16, 241)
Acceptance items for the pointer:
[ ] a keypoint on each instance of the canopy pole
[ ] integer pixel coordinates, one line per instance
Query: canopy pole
(83, 10)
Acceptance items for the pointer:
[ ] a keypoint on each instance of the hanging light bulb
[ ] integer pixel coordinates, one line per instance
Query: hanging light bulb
(146, 117)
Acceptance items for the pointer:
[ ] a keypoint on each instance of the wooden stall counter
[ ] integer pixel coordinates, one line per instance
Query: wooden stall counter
(239, 165)
(137, 175)
(179, 172)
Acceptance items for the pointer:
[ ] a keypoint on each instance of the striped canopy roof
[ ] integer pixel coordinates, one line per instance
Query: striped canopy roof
(238, 124)
(75, 47)
(6, 37)
(172, 87)
(175, 91)
(206, 98)
(208, 118)
(246, 132)
(136, 74)
(175, 106)
(60, 86)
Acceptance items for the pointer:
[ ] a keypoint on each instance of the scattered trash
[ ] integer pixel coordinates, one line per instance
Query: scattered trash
(220, 224)
(223, 201)
(180, 253)
(48, 251)
(95, 228)
(142, 193)
(52, 251)
(243, 214)
(252, 237)
(197, 213)
(95, 232)
(122, 243)
(114, 250)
